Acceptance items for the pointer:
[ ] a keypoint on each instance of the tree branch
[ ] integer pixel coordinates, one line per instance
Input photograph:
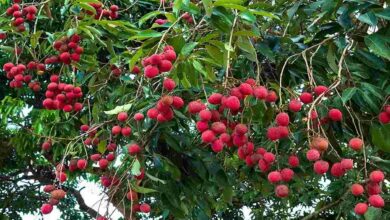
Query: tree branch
(81, 202)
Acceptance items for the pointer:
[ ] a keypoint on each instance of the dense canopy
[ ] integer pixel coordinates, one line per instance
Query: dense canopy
(195, 109)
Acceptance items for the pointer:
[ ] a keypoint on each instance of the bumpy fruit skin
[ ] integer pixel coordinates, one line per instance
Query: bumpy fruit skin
(122, 116)
(337, 170)
(215, 99)
(233, 103)
(178, 102)
(313, 155)
(195, 107)
(126, 131)
(357, 189)
(335, 115)
(132, 195)
(145, 208)
(377, 176)
(246, 89)
(208, 136)
(152, 113)
(82, 164)
(84, 128)
(376, 201)
(321, 166)
(273, 133)
(373, 188)
(169, 84)
(293, 161)
(347, 164)
(205, 115)
(46, 208)
(274, 177)
(271, 97)
(217, 146)
(134, 149)
(295, 105)
(138, 116)
(218, 127)
(282, 119)
(58, 194)
(318, 90)
(319, 143)
(116, 130)
(287, 174)
(306, 98)
(361, 208)
(356, 144)
(384, 117)
(103, 164)
(269, 157)
(281, 191)
(151, 71)
(260, 92)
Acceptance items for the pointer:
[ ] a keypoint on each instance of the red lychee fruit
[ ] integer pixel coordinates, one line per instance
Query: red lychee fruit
(361, 208)
(281, 191)
(122, 116)
(260, 92)
(134, 149)
(132, 195)
(356, 144)
(103, 164)
(46, 145)
(224, 137)
(269, 157)
(318, 90)
(319, 143)
(295, 105)
(46, 208)
(82, 164)
(165, 66)
(293, 161)
(313, 155)
(84, 128)
(306, 97)
(357, 189)
(126, 131)
(96, 157)
(116, 130)
(233, 103)
(337, 170)
(217, 146)
(169, 84)
(138, 116)
(274, 177)
(347, 164)
(208, 136)
(377, 176)
(241, 129)
(321, 166)
(335, 115)
(282, 119)
(283, 131)
(202, 126)
(152, 113)
(218, 127)
(177, 102)
(215, 99)
(151, 71)
(170, 55)
(373, 188)
(49, 188)
(263, 165)
(376, 201)
(205, 115)
(384, 117)
(195, 107)
(271, 97)
(287, 174)
(273, 133)
(145, 208)
(246, 89)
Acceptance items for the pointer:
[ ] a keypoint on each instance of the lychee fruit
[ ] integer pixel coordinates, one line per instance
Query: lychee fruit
(377, 176)
(356, 144)
(376, 201)
(306, 97)
(313, 155)
(281, 191)
(287, 174)
(321, 166)
(361, 208)
(294, 105)
(208, 136)
(293, 161)
(274, 177)
(357, 189)
(282, 119)
(335, 115)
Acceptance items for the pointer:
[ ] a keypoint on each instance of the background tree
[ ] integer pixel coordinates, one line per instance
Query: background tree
(194, 109)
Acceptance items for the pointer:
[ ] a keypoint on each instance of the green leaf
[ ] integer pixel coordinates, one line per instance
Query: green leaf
(266, 51)
(238, 2)
(331, 57)
(291, 11)
(221, 19)
(348, 94)
(137, 56)
(227, 194)
(207, 7)
(148, 16)
(263, 13)
(385, 14)
(136, 168)
(188, 48)
(35, 39)
(142, 35)
(373, 214)
(117, 109)
(230, 6)
(153, 178)
(87, 7)
(244, 44)
(199, 67)
(380, 136)
(142, 190)
(373, 90)
(102, 146)
(378, 44)
(368, 18)
(248, 16)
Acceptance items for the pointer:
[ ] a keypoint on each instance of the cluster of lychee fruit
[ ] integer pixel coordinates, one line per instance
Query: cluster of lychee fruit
(55, 196)
(20, 15)
(111, 13)
(69, 49)
(159, 63)
(62, 96)
(187, 16)
(163, 111)
(16, 73)
(373, 187)
(117, 129)
(384, 116)
(133, 196)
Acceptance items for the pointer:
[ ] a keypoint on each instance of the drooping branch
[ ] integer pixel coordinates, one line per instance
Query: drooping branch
(80, 200)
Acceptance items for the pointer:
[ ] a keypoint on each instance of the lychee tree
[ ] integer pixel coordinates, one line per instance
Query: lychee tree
(195, 109)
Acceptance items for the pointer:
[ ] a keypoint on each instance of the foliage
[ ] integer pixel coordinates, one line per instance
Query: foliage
(289, 47)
